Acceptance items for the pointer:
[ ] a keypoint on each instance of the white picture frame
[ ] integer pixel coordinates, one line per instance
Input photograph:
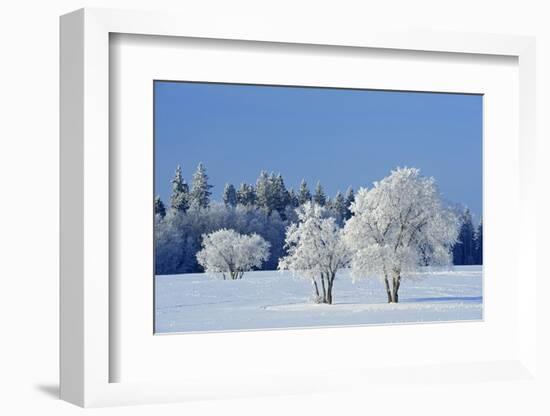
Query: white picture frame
(87, 302)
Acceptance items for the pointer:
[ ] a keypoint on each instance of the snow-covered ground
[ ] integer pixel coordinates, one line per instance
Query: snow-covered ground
(272, 299)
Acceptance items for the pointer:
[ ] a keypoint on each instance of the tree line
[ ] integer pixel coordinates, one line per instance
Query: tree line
(266, 208)
(269, 193)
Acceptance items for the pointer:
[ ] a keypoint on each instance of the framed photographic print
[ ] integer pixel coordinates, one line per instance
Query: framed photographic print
(249, 244)
(236, 204)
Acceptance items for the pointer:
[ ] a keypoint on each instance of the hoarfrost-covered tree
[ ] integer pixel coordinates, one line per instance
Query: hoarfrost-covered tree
(398, 226)
(179, 200)
(280, 197)
(303, 194)
(227, 252)
(160, 209)
(263, 191)
(246, 195)
(319, 196)
(271, 193)
(229, 195)
(338, 207)
(179, 235)
(316, 249)
(200, 191)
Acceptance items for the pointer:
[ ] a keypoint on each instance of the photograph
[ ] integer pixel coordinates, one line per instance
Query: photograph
(286, 207)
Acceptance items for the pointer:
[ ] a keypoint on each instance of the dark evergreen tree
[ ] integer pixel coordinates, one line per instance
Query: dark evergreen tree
(200, 191)
(179, 200)
(159, 207)
(294, 202)
(246, 195)
(319, 195)
(350, 198)
(304, 195)
(463, 250)
(478, 246)
(229, 195)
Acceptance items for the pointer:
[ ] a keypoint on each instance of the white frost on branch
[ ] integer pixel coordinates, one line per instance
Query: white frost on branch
(398, 226)
(316, 249)
(227, 252)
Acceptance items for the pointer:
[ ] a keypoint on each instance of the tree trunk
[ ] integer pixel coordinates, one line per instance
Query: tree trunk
(316, 288)
(330, 286)
(395, 291)
(388, 290)
(324, 289)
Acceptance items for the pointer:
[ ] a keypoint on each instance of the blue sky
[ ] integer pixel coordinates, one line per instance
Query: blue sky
(336, 136)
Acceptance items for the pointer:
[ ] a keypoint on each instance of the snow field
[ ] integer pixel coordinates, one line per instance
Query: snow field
(274, 299)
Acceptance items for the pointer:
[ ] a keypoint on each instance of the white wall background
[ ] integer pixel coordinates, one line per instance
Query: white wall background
(29, 185)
